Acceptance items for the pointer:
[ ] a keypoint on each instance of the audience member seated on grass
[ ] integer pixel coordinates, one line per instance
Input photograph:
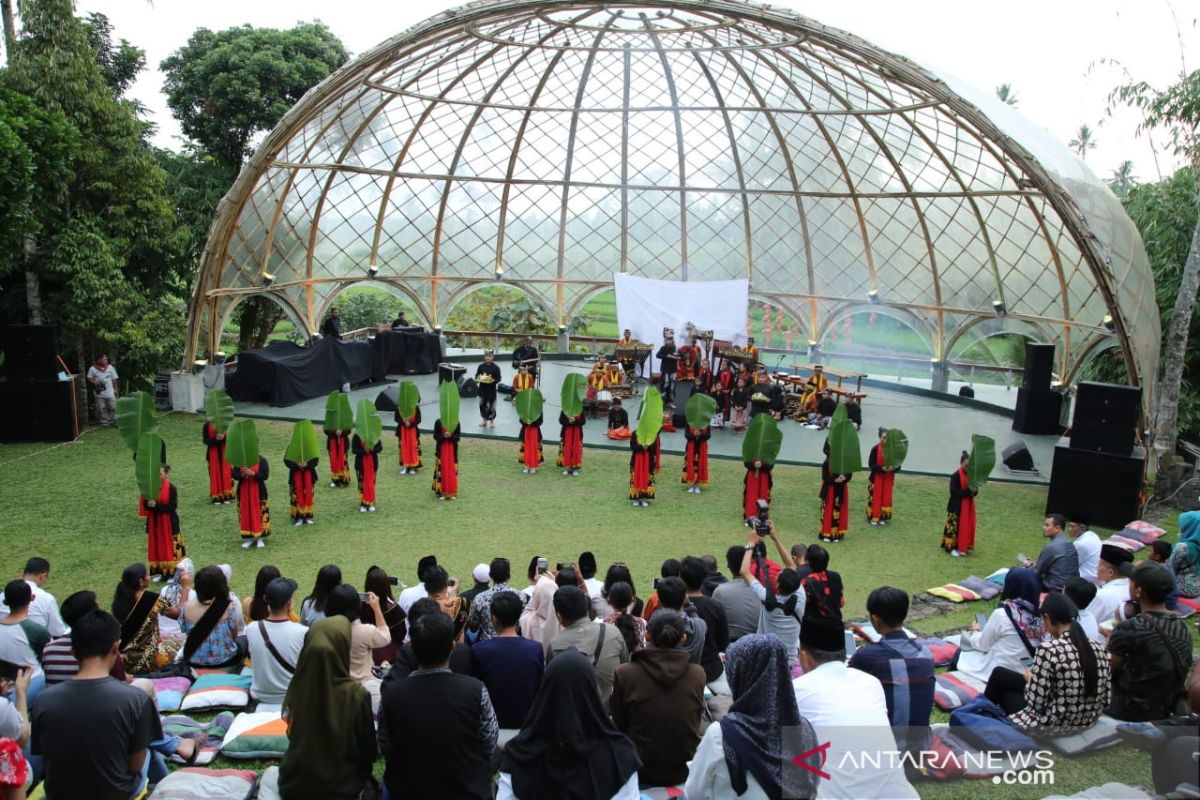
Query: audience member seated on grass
(331, 736)
(903, 667)
(711, 613)
(714, 578)
(672, 594)
(602, 643)
(437, 729)
(479, 618)
(364, 636)
(1012, 633)
(254, 607)
(1172, 743)
(95, 732)
(1160, 553)
(58, 660)
(480, 575)
(1112, 595)
(406, 660)
(275, 643)
(1185, 557)
(633, 628)
(414, 593)
(1059, 560)
(379, 583)
(658, 700)
(568, 748)
(737, 598)
(780, 612)
(14, 714)
(1151, 652)
(1082, 592)
(437, 588)
(312, 608)
(509, 665)
(1069, 685)
(669, 569)
(595, 586)
(742, 755)
(212, 622)
(538, 622)
(43, 609)
(847, 708)
(14, 771)
(823, 593)
(616, 574)
(142, 646)
(1087, 546)
(21, 639)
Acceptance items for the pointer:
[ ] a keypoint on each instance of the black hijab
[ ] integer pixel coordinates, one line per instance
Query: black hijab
(568, 748)
(764, 703)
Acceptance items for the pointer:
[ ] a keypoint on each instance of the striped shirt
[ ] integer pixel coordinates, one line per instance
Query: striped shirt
(905, 668)
(60, 665)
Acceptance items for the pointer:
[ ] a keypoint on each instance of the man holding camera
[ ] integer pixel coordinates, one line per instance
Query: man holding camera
(103, 378)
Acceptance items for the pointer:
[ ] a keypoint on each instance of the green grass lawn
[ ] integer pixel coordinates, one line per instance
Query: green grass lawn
(75, 504)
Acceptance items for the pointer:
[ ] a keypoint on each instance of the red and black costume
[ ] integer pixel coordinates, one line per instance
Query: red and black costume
(641, 469)
(366, 466)
(723, 389)
(758, 485)
(570, 443)
(409, 434)
(879, 487)
(302, 478)
(338, 447)
(530, 454)
(695, 457)
(142, 509)
(220, 474)
(164, 541)
(835, 504)
(445, 472)
(959, 532)
(254, 510)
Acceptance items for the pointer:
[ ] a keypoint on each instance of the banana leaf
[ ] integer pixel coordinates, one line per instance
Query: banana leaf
(528, 404)
(145, 466)
(135, 416)
(763, 440)
(895, 448)
(241, 444)
(448, 403)
(303, 447)
(338, 414)
(845, 456)
(219, 408)
(367, 423)
(408, 397)
(650, 422)
(983, 459)
(699, 410)
(839, 415)
(573, 389)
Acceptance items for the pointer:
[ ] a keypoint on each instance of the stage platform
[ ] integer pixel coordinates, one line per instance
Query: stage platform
(939, 427)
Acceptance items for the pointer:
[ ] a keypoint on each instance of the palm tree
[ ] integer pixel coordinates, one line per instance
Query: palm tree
(1122, 180)
(1082, 142)
(1006, 94)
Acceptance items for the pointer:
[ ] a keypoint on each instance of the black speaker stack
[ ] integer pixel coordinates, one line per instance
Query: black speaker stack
(1098, 470)
(35, 406)
(1038, 406)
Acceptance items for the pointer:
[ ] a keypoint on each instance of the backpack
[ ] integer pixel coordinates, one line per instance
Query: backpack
(984, 724)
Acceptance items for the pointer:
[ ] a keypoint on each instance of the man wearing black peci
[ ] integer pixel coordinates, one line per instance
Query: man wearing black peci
(488, 378)
(668, 359)
(527, 354)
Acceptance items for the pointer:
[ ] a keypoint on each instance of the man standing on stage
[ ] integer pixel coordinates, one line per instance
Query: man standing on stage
(525, 355)
(668, 363)
(103, 378)
(333, 326)
(488, 378)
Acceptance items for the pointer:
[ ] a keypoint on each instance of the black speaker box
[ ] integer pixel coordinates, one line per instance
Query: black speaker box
(38, 411)
(966, 391)
(1037, 411)
(29, 352)
(683, 392)
(1016, 456)
(385, 401)
(450, 372)
(1103, 487)
(1106, 417)
(1039, 365)
(468, 387)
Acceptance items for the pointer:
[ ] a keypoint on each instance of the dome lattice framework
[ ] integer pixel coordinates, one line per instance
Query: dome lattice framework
(549, 145)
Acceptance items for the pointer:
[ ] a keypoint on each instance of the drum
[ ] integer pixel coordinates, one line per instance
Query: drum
(604, 396)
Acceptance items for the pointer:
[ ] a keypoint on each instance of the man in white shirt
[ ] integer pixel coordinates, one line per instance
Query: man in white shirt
(103, 378)
(1087, 545)
(1113, 594)
(414, 593)
(595, 586)
(43, 609)
(847, 709)
(275, 644)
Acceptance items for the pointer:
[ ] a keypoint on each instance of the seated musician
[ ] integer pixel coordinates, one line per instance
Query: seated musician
(626, 339)
(704, 378)
(689, 361)
(617, 416)
(526, 353)
(752, 350)
(400, 321)
(524, 379)
(823, 413)
(596, 378)
(613, 375)
(812, 388)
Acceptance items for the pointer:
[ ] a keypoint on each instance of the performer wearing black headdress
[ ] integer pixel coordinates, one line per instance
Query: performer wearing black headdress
(487, 375)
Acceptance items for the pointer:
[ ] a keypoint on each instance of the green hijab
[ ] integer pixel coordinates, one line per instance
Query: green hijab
(323, 702)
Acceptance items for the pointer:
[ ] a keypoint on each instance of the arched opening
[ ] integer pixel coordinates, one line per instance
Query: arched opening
(595, 313)
(877, 340)
(478, 310)
(367, 304)
(992, 351)
(773, 324)
(251, 321)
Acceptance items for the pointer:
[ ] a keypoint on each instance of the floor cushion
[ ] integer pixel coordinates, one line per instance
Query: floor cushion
(943, 652)
(951, 690)
(169, 692)
(1109, 791)
(262, 734)
(194, 783)
(955, 593)
(981, 586)
(1102, 734)
(218, 690)
(208, 735)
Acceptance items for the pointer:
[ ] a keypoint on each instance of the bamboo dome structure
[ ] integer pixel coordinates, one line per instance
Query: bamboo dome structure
(548, 145)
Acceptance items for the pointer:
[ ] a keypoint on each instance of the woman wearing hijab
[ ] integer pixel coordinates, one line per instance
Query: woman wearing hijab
(569, 749)
(331, 736)
(1012, 633)
(743, 755)
(1185, 558)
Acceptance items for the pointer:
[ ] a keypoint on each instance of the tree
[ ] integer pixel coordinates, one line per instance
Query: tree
(1082, 142)
(226, 88)
(1122, 180)
(119, 63)
(1006, 94)
(1176, 108)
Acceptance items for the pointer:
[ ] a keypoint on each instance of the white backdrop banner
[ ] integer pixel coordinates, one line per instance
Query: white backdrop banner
(646, 306)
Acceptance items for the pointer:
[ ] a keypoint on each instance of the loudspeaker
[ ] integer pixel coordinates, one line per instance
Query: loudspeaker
(29, 352)
(468, 387)
(386, 400)
(1039, 365)
(1016, 457)
(38, 411)
(683, 391)
(1037, 411)
(1106, 417)
(966, 391)
(450, 372)
(1104, 487)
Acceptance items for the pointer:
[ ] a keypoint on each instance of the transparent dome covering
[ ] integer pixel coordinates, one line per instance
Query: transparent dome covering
(549, 145)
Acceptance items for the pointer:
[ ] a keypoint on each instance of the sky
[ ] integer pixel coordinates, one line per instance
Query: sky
(1058, 55)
